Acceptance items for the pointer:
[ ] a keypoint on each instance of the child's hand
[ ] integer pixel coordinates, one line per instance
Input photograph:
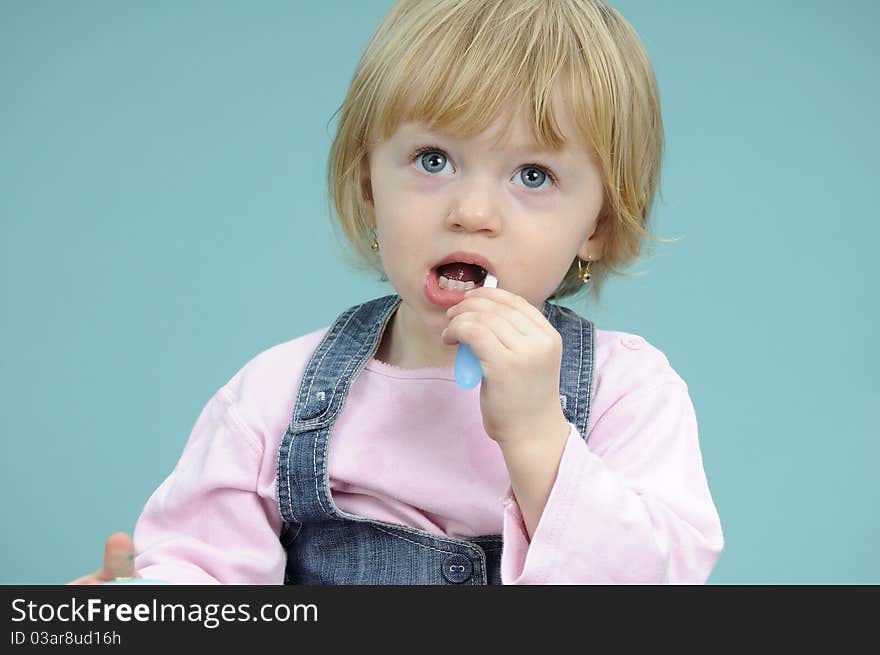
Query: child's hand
(118, 562)
(520, 353)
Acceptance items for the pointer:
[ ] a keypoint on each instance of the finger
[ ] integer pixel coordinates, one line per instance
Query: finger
(481, 331)
(514, 316)
(511, 300)
(118, 558)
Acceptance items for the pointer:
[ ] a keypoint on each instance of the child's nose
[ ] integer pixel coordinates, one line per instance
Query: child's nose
(476, 208)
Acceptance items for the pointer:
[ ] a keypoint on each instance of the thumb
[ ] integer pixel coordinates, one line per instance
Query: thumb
(118, 558)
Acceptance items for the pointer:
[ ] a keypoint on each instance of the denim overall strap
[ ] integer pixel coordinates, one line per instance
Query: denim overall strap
(349, 343)
(328, 546)
(577, 366)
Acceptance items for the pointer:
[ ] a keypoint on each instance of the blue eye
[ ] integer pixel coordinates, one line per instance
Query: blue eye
(533, 177)
(433, 161)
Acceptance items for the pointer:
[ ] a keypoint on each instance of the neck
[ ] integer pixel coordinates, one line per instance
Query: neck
(407, 343)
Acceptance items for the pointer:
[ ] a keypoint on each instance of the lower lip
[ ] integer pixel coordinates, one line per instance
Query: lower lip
(442, 297)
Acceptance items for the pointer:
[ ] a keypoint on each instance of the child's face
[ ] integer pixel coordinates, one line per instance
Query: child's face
(500, 202)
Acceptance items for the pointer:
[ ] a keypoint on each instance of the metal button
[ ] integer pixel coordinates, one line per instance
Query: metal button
(457, 568)
(317, 406)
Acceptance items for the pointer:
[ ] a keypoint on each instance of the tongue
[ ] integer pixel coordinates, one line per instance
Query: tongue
(461, 272)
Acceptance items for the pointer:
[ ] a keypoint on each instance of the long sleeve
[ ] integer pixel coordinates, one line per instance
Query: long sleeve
(213, 520)
(633, 506)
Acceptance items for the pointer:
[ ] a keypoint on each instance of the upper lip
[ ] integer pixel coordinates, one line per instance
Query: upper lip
(467, 258)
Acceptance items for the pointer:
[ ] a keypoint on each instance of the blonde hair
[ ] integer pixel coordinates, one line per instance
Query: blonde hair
(460, 65)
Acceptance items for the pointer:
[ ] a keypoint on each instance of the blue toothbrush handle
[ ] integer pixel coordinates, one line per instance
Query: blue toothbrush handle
(468, 372)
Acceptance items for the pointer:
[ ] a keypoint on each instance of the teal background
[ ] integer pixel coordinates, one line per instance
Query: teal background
(162, 170)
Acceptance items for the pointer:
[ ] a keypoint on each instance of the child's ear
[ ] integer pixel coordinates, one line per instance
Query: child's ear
(590, 251)
(366, 184)
(367, 190)
(594, 245)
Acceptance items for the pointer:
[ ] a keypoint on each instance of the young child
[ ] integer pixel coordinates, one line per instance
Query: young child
(522, 139)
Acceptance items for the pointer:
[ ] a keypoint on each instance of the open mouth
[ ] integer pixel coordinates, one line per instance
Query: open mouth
(459, 276)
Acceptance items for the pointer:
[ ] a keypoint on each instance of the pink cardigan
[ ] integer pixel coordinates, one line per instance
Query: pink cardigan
(630, 505)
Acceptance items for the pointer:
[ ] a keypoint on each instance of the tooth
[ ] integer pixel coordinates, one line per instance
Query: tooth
(455, 285)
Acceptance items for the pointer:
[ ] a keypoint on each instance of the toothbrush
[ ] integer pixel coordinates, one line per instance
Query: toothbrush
(467, 365)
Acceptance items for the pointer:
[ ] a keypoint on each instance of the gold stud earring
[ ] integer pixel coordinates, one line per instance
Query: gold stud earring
(584, 273)
(375, 245)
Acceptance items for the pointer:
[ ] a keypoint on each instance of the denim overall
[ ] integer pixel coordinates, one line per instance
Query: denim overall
(327, 546)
